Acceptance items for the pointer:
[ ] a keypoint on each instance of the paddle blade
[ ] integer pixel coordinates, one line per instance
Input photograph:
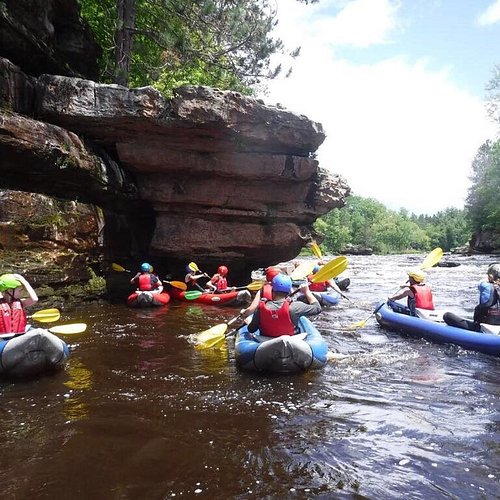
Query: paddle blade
(178, 284)
(70, 329)
(120, 269)
(255, 286)
(47, 315)
(432, 259)
(316, 250)
(194, 267)
(211, 337)
(331, 270)
(302, 270)
(192, 295)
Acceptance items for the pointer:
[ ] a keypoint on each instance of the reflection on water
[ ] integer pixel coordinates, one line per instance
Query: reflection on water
(139, 413)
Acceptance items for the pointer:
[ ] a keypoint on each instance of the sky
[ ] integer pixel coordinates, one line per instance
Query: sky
(399, 87)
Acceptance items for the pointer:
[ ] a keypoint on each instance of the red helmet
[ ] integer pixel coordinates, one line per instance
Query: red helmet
(222, 271)
(271, 272)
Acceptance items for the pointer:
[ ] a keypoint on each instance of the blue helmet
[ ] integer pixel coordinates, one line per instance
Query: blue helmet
(282, 283)
(145, 267)
(315, 269)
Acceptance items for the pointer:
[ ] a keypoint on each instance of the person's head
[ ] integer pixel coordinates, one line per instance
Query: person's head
(315, 269)
(222, 270)
(271, 272)
(416, 275)
(281, 284)
(145, 267)
(494, 273)
(8, 283)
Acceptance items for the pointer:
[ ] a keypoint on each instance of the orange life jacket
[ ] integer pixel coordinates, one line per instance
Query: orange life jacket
(423, 296)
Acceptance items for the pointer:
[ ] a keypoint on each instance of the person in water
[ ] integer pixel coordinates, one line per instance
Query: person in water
(419, 294)
(488, 309)
(146, 281)
(279, 316)
(218, 282)
(12, 307)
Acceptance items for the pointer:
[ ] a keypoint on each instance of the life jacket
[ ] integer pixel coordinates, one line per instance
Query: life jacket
(321, 286)
(489, 298)
(423, 297)
(147, 282)
(275, 322)
(12, 317)
(267, 291)
(219, 282)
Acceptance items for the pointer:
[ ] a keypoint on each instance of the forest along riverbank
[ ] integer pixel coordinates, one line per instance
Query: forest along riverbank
(138, 412)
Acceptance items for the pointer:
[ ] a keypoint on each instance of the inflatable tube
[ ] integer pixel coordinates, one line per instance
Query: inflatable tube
(286, 354)
(33, 353)
(148, 299)
(234, 298)
(433, 331)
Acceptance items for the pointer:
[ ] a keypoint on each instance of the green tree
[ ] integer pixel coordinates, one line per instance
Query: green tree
(168, 43)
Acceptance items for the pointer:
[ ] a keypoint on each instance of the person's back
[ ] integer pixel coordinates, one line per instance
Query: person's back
(146, 281)
(278, 316)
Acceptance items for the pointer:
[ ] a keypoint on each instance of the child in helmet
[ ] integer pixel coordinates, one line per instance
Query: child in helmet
(218, 282)
(12, 314)
(146, 281)
(419, 294)
(191, 279)
(488, 309)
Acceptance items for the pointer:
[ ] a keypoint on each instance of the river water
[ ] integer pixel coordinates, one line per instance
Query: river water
(138, 413)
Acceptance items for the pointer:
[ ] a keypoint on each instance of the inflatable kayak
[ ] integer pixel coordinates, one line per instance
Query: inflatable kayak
(326, 299)
(439, 332)
(33, 353)
(286, 354)
(148, 299)
(233, 298)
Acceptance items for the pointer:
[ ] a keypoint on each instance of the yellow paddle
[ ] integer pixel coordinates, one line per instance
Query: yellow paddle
(120, 269)
(316, 250)
(46, 315)
(211, 337)
(431, 260)
(70, 329)
(196, 269)
(303, 270)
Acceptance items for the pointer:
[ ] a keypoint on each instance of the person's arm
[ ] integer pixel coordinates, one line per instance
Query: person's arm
(33, 297)
(311, 299)
(405, 293)
(331, 283)
(254, 324)
(252, 307)
(134, 279)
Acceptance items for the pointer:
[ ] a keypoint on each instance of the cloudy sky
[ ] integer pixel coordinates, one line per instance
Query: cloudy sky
(399, 88)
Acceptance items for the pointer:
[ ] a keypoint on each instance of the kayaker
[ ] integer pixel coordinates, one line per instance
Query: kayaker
(279, 316)
(322, 286)
(191, 279)
(218, 282)
(265, 292)
(12, 313)
(146, 281)
(488, 309)
(419, 293)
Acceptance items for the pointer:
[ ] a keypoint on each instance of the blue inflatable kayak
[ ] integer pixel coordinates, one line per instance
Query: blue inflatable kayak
(286, 354)
(439, 332)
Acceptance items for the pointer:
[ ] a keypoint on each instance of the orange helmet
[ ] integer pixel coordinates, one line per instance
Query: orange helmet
(222, 271)
(271, 272)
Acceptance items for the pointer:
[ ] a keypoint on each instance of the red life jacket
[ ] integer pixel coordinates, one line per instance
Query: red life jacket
(12, 317)
(267, 291)
(221, 283)
(321, 286)
(147, 282)
(275, 322)
(423, 296)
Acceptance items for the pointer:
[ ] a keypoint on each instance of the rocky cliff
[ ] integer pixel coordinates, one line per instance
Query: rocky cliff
(210, 176)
